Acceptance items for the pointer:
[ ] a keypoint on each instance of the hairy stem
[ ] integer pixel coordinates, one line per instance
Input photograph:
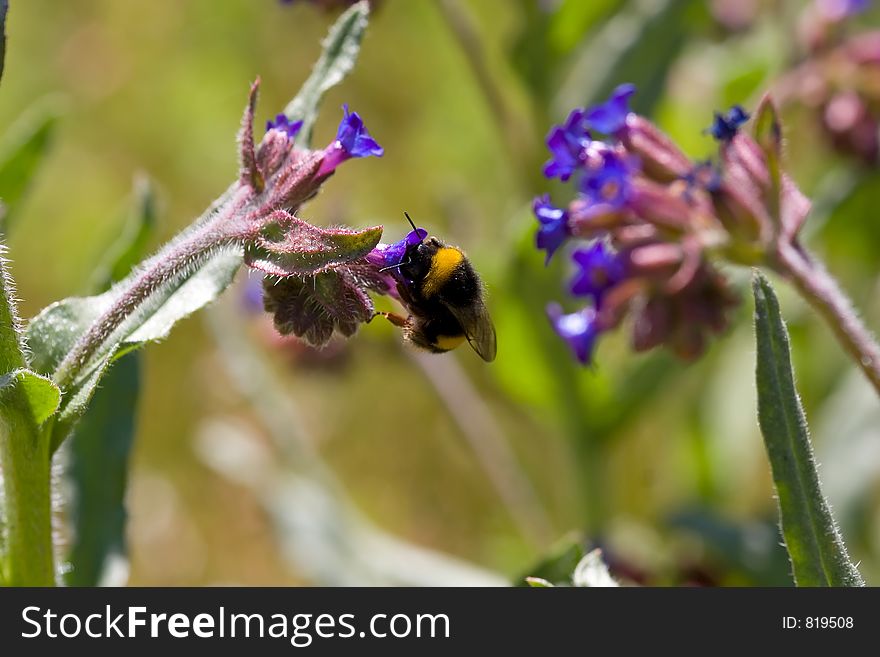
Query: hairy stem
(179, 256)
(24, 455)
(820, 289)
(26, 557)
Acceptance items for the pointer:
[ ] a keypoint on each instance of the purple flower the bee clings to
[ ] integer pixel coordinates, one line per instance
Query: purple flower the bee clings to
(285, 125)
(352, 140)
(610, 182)
(554, 229)
(610, 116)
(599, 269)
(567, 144)
(391, 255)
(578, 329)
(725, 126)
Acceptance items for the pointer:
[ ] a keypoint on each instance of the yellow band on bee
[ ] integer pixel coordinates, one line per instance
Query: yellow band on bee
(443, 265)
(448, 342)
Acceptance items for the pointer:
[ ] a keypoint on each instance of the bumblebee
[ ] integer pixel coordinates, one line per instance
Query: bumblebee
(443, 294)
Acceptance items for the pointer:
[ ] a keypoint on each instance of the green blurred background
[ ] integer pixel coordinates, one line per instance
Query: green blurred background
(660, 462)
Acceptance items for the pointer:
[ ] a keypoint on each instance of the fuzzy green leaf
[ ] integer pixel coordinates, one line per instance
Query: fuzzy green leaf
(340, 52)
(815, 546)
(24, 148)
(41, 394)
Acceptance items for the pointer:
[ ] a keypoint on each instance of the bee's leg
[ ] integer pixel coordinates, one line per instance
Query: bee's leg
(394, 318)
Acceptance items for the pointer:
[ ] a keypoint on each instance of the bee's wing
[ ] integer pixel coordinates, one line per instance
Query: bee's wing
(478, 328)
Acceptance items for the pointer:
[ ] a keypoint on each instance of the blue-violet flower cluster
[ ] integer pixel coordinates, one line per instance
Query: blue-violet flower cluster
(650, 221)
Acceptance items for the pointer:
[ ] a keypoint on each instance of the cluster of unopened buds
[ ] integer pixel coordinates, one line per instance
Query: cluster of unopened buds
(649, 223)
(838, 78)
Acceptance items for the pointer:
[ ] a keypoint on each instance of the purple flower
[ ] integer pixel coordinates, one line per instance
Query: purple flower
(352, 140)
(567, 144)
(554, 228)
(282, 123)
(610, 182)
(578, 329)
(837, 10)
(392, 254)
(599, 269)
(610, 116)
(725, 126)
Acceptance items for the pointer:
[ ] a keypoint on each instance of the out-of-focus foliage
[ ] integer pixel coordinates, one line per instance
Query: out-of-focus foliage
(624, 451)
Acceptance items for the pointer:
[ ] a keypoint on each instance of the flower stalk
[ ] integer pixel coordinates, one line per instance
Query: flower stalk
(823, 293)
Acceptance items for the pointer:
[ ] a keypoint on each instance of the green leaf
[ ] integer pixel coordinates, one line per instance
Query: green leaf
(131, 245)
(749, 549)
(638, 45)
(98, 470)
(768, 134)
(24, 148)
(815, 546)
(539, 583)
(559, 563)
(340, 52)
(42, 395)
(592, 572)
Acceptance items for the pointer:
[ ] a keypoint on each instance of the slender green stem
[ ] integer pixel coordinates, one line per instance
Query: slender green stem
(820, 289)
(24, 459)
(24, 454)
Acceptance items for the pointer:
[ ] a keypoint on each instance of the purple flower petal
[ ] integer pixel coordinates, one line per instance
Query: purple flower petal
(599, 269)
(285, 125)
(610, 116)
(725, 126)
(567, 144)
(610, 183)
(352, 140)
(578, 329)
(554, 229)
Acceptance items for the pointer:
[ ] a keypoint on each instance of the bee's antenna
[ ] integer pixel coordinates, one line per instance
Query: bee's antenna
(409, 219)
